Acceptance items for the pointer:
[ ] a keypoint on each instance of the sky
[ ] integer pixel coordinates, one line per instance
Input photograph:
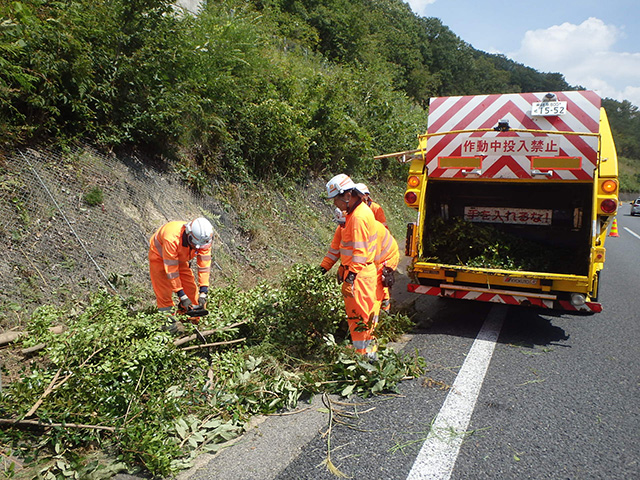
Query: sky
(593, 43)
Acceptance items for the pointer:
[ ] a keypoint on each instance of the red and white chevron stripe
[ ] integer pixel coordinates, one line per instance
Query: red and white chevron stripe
(511, 153)
(508, 298)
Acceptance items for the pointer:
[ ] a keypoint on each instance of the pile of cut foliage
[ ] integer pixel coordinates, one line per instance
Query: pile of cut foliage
(116, 383)
(460, 242)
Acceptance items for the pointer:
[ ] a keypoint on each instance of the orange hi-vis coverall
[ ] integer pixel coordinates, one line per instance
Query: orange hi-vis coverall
(357, 254)
(387, 255)
(169, 256)
(378, 212)
(333, 254)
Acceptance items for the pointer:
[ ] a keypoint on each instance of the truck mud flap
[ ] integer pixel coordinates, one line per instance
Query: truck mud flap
(503, 296)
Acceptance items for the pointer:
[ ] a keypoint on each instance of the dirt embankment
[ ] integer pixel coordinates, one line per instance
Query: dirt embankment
(80, 221)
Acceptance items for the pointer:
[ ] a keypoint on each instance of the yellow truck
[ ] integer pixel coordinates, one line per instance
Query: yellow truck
(515, 194)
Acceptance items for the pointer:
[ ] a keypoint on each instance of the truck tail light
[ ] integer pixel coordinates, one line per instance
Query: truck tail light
(413, 181)
(410, 198)
(607, 206)
(609, 186)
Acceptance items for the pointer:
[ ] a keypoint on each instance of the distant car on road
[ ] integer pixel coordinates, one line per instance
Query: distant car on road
(635, 207)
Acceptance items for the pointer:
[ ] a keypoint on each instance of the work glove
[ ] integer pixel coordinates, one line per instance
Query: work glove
(202, 300)
(323, 270)
(185, 303)
(347, 285)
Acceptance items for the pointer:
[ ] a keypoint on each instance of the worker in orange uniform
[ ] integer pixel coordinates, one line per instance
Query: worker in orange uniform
(386, 259)
(377, 210)
(171, 248)
(357, 254)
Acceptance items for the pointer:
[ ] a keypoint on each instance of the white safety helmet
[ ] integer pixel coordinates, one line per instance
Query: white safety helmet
(362, 188)
(199, 232)
(339, 184)
(339, 216)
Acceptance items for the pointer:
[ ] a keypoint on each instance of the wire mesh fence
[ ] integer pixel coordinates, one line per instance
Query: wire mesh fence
(79, 221)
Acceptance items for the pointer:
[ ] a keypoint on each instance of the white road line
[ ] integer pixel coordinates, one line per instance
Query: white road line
(632, 233)
(438, 454)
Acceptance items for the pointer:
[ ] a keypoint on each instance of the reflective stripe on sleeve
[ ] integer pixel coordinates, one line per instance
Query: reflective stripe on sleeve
(158, 245)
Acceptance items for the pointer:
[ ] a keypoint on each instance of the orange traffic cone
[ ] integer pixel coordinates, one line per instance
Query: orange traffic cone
(614, 228)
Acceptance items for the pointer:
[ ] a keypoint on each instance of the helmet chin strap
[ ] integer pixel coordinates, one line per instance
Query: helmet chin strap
(356, 202)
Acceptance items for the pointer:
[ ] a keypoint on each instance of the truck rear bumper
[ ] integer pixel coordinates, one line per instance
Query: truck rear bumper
(527, 299)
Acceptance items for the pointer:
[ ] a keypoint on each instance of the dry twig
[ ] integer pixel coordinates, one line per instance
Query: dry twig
(38, 423)
(206, 345)
(206, 333)
(327, 461)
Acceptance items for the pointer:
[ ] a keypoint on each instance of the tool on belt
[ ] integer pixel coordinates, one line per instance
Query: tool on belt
(388, 277)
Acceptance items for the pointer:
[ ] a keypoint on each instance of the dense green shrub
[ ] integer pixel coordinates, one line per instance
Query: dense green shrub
(116, 380)
(243, 89)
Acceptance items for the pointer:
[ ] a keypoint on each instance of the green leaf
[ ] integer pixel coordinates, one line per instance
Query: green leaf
(182, 428)
(379, 386)
(347, 390)
(213, 423)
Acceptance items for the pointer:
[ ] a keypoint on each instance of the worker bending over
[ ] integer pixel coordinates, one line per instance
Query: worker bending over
(171, 248)
(357, 255)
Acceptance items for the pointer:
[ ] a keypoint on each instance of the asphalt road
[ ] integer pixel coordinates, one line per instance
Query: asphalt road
(560, 398)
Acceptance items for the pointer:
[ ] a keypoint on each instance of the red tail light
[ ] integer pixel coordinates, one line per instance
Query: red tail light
(607, 206)
(410, 198)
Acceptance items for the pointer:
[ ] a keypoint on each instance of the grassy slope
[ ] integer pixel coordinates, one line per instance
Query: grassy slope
(629, 170)
(294, 224)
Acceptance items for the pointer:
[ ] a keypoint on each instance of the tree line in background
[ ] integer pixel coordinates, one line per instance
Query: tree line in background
(246, 89)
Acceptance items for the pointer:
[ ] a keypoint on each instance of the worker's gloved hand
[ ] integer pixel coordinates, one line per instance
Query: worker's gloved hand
(185, 302)
(323, 270)
(347, 285)
(202, 300)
